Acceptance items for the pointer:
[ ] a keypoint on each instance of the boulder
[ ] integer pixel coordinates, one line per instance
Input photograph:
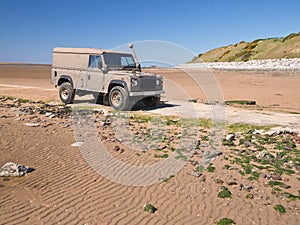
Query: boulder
(12, 169)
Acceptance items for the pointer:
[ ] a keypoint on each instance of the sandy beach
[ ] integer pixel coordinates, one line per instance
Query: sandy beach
(64, 189)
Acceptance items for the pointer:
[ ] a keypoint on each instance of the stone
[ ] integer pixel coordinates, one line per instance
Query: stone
(247, 188)
(276, 176)
(231, 182)
(117, 148)
(262, 154)
(77, 144)
(297, 167)
(12, 169)
(230, 137)
(219, 181)
(106, 122)
(211, 155)
(263, 175)
(248, 144)
(196, 174)
(195, 162)
(31, 124)
(47, 114)
(259, 132)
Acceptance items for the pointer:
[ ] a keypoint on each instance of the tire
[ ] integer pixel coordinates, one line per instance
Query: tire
(118, 98)
(151, 101)
(66, 93)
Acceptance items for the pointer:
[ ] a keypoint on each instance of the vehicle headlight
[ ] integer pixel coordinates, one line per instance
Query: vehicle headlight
(134, 82)
(158, 82)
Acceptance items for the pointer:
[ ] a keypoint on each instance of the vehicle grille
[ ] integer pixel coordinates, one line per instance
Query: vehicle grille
(147, 84)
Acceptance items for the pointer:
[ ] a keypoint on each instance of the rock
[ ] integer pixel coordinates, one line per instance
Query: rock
(194, 100)
(106, 122)
(203, 145)
(262, 154)
(11, 169)
(117, 148)
(230, 137)
(48, 114)
(219, 181)
(276, 176)
(31, 124)
(270, 132)
(149, 208)
(195, 162)
(52, 116)
(77, 144)
(198, 144)
(297, 167)
(263, 175)
(247, 188)
(196, 174)
(259, 132)
(231, 182)
(248, 144)
(211, 155)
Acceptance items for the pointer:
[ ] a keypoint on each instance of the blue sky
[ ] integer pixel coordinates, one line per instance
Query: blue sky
(31, 29)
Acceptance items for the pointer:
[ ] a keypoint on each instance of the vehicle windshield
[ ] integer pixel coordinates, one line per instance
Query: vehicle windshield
(119, 61)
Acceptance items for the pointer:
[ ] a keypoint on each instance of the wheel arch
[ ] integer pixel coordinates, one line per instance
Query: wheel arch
(65, 78)
(115, 83)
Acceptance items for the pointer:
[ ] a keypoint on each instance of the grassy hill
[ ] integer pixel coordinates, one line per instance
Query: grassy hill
(270, 48)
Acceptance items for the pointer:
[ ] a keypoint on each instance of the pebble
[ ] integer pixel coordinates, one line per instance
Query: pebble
(77, 144)
(230, 137)
(211, 155)
(117, 148)
(276, 176)
(219, 181)
(196, 174)
(262, 154)
(31, 124)
(231, 182)
(246, 187)
(297, 167)
(195, 162)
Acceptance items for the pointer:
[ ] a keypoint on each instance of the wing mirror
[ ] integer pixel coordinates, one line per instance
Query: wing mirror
(103, 68)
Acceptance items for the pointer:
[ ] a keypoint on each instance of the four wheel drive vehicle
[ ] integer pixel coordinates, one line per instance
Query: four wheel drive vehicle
(116, 76)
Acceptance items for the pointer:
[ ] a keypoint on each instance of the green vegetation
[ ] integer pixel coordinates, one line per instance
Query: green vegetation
(269, 48)
(225, 221)
(15, 99)
(225, 193)
(211, 169)
(166, 179)
(280, 209)
(240, 102)
(161, 156)
(149, 208)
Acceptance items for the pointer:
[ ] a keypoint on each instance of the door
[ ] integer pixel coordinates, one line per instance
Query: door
(94, 76)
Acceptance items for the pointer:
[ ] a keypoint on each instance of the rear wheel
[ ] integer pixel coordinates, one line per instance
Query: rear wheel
(118, 98)
(151, 101)
(66, 93)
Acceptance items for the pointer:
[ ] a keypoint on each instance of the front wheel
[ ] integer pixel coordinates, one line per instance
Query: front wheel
(66, 93)
(118, 98)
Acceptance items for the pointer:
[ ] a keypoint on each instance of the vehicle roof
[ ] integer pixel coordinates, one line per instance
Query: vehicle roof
(83, 50)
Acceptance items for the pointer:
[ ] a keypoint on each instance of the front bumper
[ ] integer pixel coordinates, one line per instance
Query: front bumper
(146, 93)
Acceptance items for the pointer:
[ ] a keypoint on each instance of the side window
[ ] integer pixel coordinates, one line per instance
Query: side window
(94, 61)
